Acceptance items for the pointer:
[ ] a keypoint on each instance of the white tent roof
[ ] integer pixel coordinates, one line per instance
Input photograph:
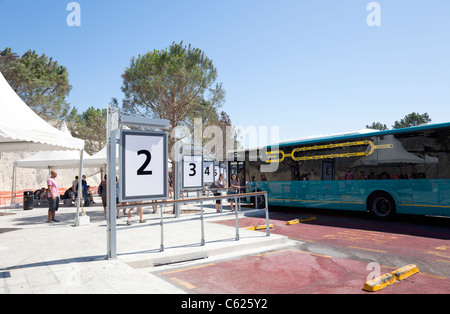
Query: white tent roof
(100, 158)
(53, 159)
(21, 129)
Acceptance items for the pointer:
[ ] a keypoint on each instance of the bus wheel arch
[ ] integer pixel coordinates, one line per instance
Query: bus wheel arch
(381, 204)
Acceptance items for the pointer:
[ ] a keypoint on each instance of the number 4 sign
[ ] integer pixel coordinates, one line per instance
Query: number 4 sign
(208, 171)
(143, 166)
(192, 172)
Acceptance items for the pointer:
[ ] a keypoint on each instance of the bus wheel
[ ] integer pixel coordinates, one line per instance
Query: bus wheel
(260, 200)
(382, 205)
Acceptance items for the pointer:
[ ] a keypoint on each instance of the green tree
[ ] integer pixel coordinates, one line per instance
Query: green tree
(230, 133)
(412, 119)
(39, 81)
(90, 126)
(177, 84)
(8, 64)
(377, 126)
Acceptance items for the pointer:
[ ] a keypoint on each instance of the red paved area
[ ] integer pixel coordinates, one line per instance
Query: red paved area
(298, 270)
(292, 272)
(430, 243)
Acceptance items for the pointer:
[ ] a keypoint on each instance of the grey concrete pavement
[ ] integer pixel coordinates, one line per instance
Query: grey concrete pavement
(57, 257)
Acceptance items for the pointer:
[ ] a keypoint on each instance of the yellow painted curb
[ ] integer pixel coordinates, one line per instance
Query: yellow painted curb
(388, 279)
(379, 283)
(405, 272)
(259, 227)
(296, 221)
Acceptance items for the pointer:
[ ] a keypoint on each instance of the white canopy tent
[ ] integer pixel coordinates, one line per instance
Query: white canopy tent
(21, 129)
(53, 159)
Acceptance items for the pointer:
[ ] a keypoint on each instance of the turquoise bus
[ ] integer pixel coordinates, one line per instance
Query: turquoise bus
(401, 171)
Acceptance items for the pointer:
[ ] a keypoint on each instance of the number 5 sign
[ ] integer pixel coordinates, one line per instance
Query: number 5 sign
(143, 166)
(192, 172)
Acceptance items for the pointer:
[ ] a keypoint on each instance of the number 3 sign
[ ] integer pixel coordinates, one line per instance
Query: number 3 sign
(192, 172)
(143, 166)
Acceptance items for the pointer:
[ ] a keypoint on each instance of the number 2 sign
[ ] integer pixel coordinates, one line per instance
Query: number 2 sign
(143, 166)
(192, 172)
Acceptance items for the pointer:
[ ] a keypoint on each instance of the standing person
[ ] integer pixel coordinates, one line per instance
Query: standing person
(53, 197)
(349, 175)
(85, 191)
(141, 214)
(170, 186)
(103, 193)
(241, 179)
(220, 184)
(234, 185)
(117, 199)
(75, 188)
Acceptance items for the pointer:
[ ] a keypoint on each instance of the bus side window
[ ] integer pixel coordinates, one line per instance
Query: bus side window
(437, 154)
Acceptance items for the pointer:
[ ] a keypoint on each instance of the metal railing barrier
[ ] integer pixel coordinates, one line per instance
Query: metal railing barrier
(200, 200)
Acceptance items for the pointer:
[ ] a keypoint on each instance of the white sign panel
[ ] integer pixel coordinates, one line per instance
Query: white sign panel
(208, 171)
(192, 172)
(143, 162)
(216, 173)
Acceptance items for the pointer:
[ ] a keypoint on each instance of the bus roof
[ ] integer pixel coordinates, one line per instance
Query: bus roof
(363, 132)
(351, 135)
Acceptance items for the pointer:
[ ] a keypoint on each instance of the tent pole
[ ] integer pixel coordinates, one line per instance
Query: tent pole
(80, 189)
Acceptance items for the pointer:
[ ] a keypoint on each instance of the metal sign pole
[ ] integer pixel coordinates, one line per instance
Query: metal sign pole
(178, 187)
(112, 126)
(115, 122)
(178, 156)
(112, 209)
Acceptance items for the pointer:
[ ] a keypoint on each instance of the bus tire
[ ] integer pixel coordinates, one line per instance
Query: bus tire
(381, 205)
(260, 200)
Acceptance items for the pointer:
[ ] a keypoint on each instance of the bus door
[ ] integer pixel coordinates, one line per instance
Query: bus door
(327, 170)
(328, 187)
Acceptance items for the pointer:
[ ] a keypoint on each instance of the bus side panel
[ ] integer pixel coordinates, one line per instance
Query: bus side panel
(307, 194)
(431, 197)
(315, 194)
(349, 195)
(292, 193)
(418, 197)
(274, 191)
(329, 194)
(340, 195)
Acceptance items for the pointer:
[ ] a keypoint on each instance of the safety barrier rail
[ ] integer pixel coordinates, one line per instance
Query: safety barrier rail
(201, 200)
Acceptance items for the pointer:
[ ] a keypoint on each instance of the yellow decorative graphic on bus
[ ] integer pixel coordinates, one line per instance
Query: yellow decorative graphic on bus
(279, 155)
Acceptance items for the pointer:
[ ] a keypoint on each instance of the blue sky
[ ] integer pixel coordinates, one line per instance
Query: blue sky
(308, 66)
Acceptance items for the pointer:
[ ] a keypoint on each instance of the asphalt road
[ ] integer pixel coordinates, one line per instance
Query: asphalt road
(335, 253)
